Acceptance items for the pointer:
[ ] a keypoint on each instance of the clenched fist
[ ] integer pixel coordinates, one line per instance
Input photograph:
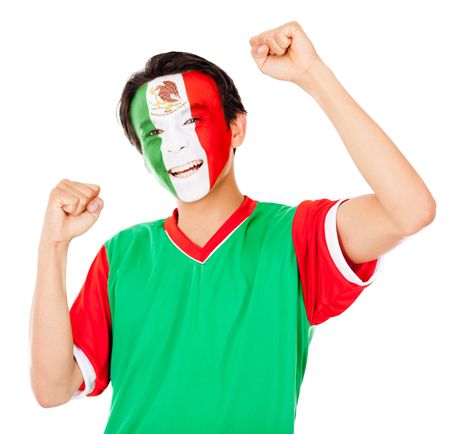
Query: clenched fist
(73, 207)
(285, 53)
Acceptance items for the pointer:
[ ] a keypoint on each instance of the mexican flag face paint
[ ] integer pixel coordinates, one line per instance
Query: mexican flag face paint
(180, 123)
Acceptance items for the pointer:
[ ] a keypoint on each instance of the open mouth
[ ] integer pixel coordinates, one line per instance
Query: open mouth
(186, 170)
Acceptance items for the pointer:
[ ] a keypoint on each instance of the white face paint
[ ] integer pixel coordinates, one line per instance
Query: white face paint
(180, 144)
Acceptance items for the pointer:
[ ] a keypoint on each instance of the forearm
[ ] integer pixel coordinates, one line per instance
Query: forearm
(399, 188)
(51, 344)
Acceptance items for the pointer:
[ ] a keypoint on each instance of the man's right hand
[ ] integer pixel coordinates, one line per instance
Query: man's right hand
(69, 211)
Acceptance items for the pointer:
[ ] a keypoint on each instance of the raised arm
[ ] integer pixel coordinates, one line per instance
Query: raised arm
(54, 373)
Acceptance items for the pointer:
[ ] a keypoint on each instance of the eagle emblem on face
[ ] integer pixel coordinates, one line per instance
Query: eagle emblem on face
(164, 98)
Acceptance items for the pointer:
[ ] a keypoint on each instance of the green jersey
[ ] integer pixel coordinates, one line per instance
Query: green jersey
(214, 338)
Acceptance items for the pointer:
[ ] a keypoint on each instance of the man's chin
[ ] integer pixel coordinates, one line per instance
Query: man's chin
(192, 199)
(188, 194)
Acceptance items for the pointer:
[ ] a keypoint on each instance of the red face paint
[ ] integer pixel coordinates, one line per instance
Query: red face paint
(211, 130)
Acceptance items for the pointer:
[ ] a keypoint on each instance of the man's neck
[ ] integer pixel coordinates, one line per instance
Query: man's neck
(200, 219)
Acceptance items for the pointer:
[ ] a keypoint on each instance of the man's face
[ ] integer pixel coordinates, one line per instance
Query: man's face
(180, 123)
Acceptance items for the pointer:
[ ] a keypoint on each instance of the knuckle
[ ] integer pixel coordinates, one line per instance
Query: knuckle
(89, 193)
(54, 191)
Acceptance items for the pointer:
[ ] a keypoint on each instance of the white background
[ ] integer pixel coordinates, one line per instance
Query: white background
(382, 365)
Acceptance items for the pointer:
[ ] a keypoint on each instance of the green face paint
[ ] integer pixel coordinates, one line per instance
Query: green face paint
(151, 145)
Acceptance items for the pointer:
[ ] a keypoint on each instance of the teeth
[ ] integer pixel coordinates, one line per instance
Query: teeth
(186, 166)
(186, 174)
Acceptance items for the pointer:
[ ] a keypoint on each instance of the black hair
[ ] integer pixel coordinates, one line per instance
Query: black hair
(173, 62)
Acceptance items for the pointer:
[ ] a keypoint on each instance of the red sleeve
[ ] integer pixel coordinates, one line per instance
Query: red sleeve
(330, 281)
(90, 320)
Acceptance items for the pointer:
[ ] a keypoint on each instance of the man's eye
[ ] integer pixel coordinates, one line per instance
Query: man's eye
(155, 132)
(151, 133)
(187, 122)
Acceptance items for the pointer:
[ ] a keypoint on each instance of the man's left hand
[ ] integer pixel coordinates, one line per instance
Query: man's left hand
(284, 53)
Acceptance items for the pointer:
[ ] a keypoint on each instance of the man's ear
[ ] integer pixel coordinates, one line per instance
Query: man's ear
(238, 127)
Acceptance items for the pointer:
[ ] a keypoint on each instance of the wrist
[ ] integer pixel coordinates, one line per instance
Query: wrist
(312, 79)
(46, 245)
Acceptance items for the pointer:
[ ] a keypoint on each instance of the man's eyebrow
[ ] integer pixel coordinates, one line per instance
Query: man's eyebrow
(145, 123)
(198, 105)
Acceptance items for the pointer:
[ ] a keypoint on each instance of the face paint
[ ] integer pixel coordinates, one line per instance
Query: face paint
(180, 122)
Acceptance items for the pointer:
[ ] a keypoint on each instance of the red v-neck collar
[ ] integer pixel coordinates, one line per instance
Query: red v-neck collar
(201, 254)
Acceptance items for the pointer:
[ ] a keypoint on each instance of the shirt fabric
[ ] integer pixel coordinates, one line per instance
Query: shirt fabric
(212, 339)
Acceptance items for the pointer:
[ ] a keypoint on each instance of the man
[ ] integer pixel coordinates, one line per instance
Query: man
(202, 319)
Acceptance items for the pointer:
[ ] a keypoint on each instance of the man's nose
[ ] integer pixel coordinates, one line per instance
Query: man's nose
(176, 148)
(176, 143)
